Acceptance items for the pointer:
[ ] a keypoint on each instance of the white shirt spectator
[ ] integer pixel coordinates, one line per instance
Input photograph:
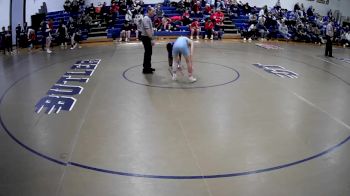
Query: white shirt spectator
(261, 12)
(347, 36)
(252, 27)
(283, 29)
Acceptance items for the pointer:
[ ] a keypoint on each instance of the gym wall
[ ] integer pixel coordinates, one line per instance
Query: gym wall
(5, 13)
(32, 6)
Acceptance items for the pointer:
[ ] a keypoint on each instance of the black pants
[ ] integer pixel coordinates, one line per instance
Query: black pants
(147, 44)
(8, 44)
(208, 33)
(169, 48)
(328, 51)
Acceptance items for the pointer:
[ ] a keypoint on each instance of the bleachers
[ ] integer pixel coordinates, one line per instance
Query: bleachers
(57, 16)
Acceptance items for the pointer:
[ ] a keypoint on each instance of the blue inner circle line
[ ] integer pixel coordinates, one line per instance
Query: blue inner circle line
(235, 78)
(82, 166)
(213, 176)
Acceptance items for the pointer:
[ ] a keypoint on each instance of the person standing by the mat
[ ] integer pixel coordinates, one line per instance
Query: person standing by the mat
(147, 40)
(183, 46)
(329, 37)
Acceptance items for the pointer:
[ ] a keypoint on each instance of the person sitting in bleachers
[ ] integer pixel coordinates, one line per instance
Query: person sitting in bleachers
(208, 29)
(207, 11)
(234, 10)
(157, 24)
(195, 28)
(176, 21)
(345, 39)
(218, 17)
(123, 8)
(261, 28)
(253, 19)
(81, 5)
(159, 11)
(114, 10)
(250, 33)
(186, 20)
(283, 30)
(138, 20)
(187, 5)
(105, 10)
(91, 11)
(67, 6)
(246, 9)
(165, 26)
(310, 11)
(138, 7)
(316, 35)
(31, 38)
(125, 32)
(128, 15)
(278, 5)
(88, 22)
(220, 4)
(196, 8)
(75, 6)
(263, 11)
(134, 29)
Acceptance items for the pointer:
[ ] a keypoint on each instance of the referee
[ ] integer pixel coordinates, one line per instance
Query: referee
(329, 36)
(147, 40)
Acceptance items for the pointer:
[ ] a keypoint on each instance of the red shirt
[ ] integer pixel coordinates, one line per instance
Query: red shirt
(207, 9)
(114, 8)
(218, 17)
(196, 8)
(195, 24)
(50, 24)
(176, 18)
(187, 15)
(208, 26)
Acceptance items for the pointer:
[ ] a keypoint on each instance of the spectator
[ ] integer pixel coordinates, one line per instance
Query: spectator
(251, 32)
(62, 34)
(18, 35)
(3, 40)
(310, 11)
(75, 6)
(209, 29)
(234, 10)
(67, 6)
(123, 8)
(195, 28)
(246, 9)
(92, 11)
(166, 24)
(278, 5)
(138, 20)
(283, 29)
(196, 8)
(159, 11)
(220, 4)
(128, 16)
(261, 28)
(345, 39)
(253, 19)
(88, 22)
(329, 37)
(186, 20)
(31, 38)
(125, 32)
